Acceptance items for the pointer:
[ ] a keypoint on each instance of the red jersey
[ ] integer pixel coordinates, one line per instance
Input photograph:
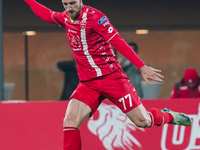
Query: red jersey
(183, 91)
(90, 37)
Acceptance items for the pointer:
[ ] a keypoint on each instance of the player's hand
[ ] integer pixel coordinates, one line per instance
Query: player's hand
(149, 73)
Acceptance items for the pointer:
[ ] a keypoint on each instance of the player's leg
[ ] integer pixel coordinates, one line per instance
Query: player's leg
(129, 102)
(77, 112)
(84, 102)
(143, 118)
(154, 116)
(139, 116)
(124, 95)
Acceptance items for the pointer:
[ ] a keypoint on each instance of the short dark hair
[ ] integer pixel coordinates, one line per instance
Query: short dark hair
(134, 45)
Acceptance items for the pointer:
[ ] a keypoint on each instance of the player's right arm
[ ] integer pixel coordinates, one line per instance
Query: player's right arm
(45, 13)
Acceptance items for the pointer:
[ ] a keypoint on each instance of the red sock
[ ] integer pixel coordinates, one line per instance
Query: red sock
(72, 139)
(159, 118)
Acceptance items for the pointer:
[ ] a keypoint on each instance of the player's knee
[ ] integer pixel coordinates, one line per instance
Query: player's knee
(70, 121)
(143, 123)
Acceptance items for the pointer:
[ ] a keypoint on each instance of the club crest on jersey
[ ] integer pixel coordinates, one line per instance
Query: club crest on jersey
(102, 20)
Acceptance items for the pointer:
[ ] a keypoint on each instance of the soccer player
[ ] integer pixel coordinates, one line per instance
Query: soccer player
(90, 35)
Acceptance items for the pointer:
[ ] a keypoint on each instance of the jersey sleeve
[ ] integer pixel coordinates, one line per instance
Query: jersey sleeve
(45, 13)
(120, 45)
(102, 26)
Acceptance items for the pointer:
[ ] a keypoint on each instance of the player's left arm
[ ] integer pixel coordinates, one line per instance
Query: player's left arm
(110, 34)
(102, 26)
(148, 73)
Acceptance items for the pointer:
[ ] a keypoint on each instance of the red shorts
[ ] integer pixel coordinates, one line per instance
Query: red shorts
(115, 86)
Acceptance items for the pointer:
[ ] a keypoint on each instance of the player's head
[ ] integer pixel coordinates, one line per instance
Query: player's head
(191, 77)
(73, 7)
(133, 46)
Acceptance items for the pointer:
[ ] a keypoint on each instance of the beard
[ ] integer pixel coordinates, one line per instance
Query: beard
(74, 13)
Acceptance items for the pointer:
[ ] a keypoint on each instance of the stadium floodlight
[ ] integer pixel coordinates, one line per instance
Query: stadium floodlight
(29, 33)
(143, 31)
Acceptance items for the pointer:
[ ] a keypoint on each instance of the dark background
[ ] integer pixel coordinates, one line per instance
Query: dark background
(123, 14)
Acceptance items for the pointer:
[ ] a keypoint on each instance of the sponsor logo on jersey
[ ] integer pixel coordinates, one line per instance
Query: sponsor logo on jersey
(77, 49)
(106, 24)
(69, 30)
(110, 29)
(75, 42)
(102, 20)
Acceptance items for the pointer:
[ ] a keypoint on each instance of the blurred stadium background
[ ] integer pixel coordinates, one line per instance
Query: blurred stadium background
(171, 45)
